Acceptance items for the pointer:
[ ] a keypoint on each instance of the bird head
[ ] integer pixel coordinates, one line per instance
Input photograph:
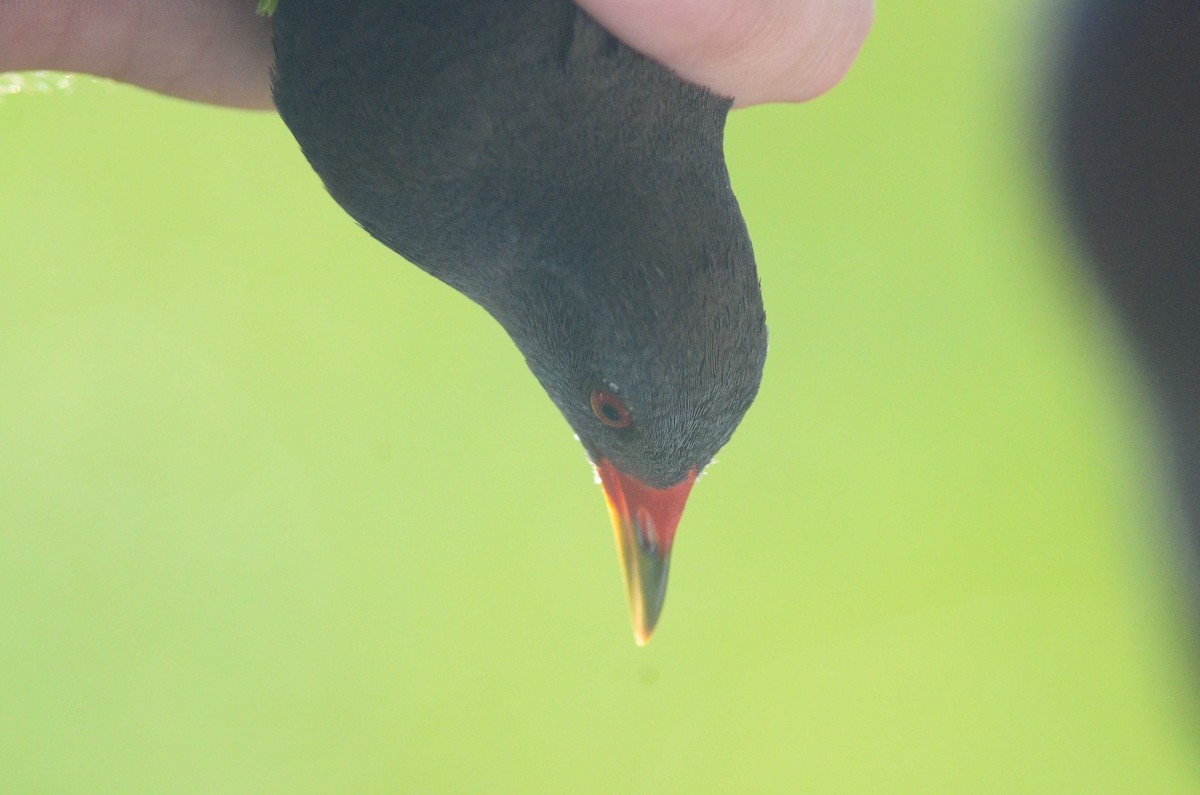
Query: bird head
(653, 350)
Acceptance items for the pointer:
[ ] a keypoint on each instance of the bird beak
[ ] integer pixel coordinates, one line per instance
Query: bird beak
(644, 521)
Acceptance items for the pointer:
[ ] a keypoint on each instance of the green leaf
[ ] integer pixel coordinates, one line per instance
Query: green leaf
(267, 7)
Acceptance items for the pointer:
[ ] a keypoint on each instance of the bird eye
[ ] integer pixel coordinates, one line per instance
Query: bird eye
(609, 409)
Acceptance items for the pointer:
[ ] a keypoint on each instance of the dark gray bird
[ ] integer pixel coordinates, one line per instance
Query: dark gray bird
(576, 191)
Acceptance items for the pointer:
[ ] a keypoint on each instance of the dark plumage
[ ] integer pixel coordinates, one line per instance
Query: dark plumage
(575, 190)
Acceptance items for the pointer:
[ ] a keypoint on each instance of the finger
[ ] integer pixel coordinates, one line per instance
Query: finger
(214, 51)
(752, 50)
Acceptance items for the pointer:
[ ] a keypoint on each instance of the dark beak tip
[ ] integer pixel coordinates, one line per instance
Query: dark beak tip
(647, 590)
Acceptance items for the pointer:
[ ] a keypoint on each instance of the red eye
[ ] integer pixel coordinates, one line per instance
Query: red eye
(609, 409)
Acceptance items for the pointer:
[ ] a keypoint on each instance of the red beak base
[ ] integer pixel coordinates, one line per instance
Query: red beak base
(644, 521)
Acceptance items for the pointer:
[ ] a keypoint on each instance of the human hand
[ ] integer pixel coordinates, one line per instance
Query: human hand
(219, 51)
(755, 51)
(216, 51)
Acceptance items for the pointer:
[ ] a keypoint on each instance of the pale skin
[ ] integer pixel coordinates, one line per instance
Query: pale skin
(219, 51)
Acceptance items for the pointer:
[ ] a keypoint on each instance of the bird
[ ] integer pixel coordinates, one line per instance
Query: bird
(574, 189)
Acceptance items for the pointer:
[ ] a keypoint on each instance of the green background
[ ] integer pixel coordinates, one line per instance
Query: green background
(280, 513)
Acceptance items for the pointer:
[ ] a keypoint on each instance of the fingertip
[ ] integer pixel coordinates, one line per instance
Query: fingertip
(755, 51)
(822, 61)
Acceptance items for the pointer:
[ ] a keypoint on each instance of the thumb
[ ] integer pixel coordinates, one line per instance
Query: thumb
(752, 50)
